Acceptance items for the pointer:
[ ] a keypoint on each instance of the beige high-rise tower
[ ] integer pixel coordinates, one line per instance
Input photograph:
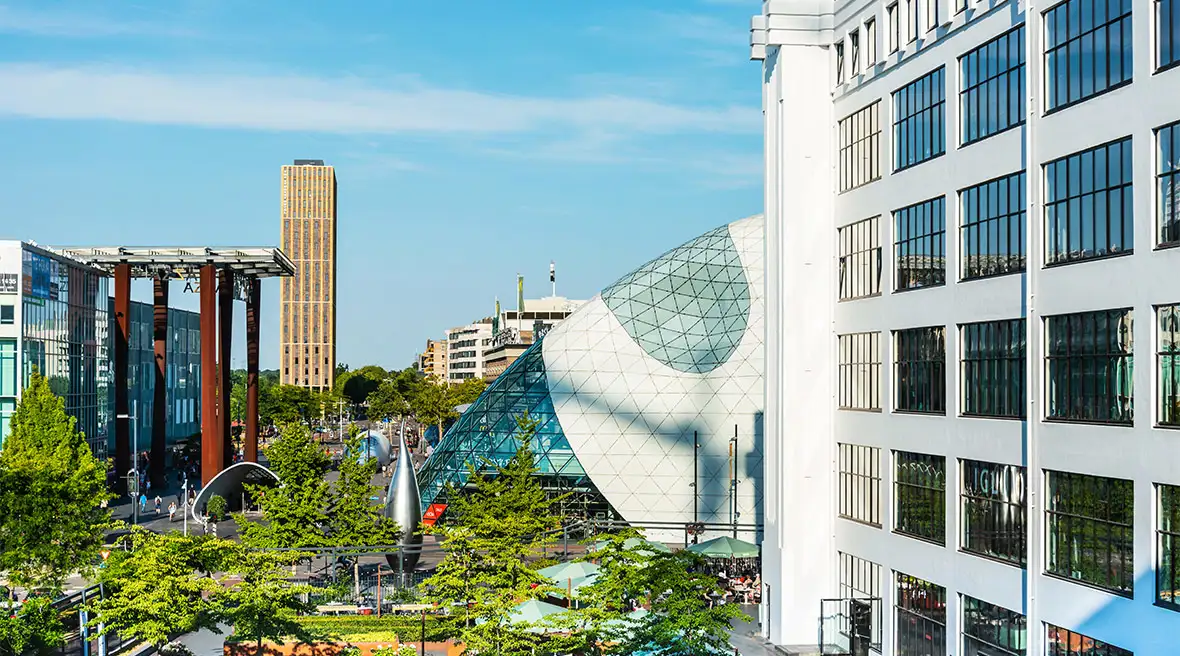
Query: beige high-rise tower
(308, 322)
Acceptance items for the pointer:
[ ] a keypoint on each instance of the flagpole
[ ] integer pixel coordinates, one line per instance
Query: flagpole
(553, 276)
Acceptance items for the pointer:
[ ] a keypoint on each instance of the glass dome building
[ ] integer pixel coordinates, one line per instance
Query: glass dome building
(669, 356)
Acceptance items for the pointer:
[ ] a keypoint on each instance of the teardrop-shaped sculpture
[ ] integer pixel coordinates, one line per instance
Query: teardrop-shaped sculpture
(403, 504)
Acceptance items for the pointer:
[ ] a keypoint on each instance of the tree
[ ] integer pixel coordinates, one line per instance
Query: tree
(291, 403)
(51, 491)
(237, 395)
(353, 518)
(293, 513)
(259, 602)
(36, 626)
(386, 402)
(216, 506)
(467, 391)
(496, 529)
(161, 587)
(359, 384)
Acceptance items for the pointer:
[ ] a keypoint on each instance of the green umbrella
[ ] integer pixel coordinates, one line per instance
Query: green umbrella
(569, 586)
(566, 571)
(635, 544)
(726, 547)
(534, 611)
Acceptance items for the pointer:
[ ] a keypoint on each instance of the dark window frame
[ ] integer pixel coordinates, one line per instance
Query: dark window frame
(893, 27)
(919, 110)
(859, 368)
(1056, 636)
(1062, 200)
(1064, 51)
(993, 365)
(979, 80)
(1170, 22)
(922, 370)
(1167, 532)
(993, 213)
(990, 514)
(870, 42)
(1167, 174)
(854, 52)
(1112, 535)
(839, 51)
(860, 252)
(1167, 365)
(1082, 383)
(919, 484)
(921, 613)
(859, 152)
(919, 244)
(859, 479)
(993, 625)
(854, 572)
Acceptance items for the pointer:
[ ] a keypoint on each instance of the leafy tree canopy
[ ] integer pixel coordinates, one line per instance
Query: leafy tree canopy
(293, 513)
(34, 627)
(258, 600)
(51, 491)
(353, 518)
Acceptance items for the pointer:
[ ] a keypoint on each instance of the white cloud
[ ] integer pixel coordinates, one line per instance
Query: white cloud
(331, 105)
(68, 24)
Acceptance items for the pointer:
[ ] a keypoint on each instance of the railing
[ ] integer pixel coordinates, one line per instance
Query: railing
(70, 607)
(850, 627)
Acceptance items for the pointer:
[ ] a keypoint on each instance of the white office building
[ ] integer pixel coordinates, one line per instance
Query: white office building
(465, 350)
(973, 307)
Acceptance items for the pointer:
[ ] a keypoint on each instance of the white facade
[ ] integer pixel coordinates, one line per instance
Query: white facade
(805, 207)
(465, 350)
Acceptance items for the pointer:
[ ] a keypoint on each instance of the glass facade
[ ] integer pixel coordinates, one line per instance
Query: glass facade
(990, 630)
(8, 385)
(1167, 180)
(859, 371)
(992, 95)
(919, 490)
(1088, 49)
(993, 368)
(992, 227)
(994, 510)
(919, 244)
(921, 617)
(1168, 364)
(1090, 530)
(1167, 22)
(1167, 563)
(860, 259)
(1063, 642)
(919, 119)
(860, 147)
(920, 370)
(859, 578)
(66, 337)
(1089, 204)
(860, 483)
(1090, 367)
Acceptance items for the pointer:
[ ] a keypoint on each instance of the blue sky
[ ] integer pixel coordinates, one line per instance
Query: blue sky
(472, 140)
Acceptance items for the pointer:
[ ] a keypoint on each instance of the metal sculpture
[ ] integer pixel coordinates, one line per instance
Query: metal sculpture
(229, 484)
(403, 504)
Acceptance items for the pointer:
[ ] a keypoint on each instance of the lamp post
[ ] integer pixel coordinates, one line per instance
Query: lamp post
(733, 481)
(184, 504)
(134, 475)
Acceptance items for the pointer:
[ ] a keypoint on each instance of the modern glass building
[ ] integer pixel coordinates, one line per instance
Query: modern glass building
(668, 357)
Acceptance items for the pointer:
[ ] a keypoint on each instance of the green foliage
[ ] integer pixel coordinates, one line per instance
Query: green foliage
(34, 627)
(353, 518)
(51, 490)
(159, 588)
(216, 506)
(402, 650)
(397, 395)
(467, 391)
(359, 384)
(370, 628)
(502, 524)
(285, 404)
(435, 403)
(237, 395)
(293, 513)
(262, 604)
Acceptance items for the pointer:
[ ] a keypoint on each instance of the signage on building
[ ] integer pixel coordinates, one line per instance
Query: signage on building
(37, 270)
(8, 283)
(433, 512)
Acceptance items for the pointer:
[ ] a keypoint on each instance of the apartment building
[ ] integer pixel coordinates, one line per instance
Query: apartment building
(465, 350)
(974, 203)
(432, 362)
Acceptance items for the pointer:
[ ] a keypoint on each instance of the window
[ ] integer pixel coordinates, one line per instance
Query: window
(920, 369)
(1168, 364)
(994, 510)
(919, 117)
(1167, 565)
(960, 6)
(912, 19)
(7, 314)
(1090, 525)
(854, 51)
(1089, 366)
(993, 368)
(991, 238)
(1063, 642)
(990, 630)
(840, 63)
(921, 617)
(1089, 205)
(919, 488)
(1167, 22)
(860, 259)
(992, 96)
(1167, 179)
(860, 483)
(1087, 50)
(860, 371)
(859, 578)
(932, 14)
(870, 42)
(919, 246)
(893, 36)
(860, 147)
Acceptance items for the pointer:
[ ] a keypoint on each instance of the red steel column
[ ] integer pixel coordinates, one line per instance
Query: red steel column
(252, 310)
(160, 390)
(225, 316)
(211, 451)
(122, 342)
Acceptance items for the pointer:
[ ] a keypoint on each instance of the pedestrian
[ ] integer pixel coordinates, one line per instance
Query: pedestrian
(142, 503)
(172, 512)
(213, 528)
(158, 502)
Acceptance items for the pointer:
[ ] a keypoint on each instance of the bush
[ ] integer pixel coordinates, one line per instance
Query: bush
(216, 506)
(370, 628)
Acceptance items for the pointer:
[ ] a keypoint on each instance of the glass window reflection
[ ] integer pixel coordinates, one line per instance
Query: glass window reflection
(1090, 530)
(990, 630)
(992, 96)
(1090, 365)
(920, 496)
(1089, 204)
(919, 120)
(994, 510)
(920, 244)
(1088, 50)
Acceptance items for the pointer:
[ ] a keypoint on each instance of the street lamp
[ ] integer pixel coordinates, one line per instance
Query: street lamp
(133, 476)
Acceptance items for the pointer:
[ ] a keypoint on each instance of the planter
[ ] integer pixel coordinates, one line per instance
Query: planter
(330, 648)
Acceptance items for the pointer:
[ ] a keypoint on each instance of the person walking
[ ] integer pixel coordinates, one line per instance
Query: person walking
(158, 501)
(142, 503)
(171, 512)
